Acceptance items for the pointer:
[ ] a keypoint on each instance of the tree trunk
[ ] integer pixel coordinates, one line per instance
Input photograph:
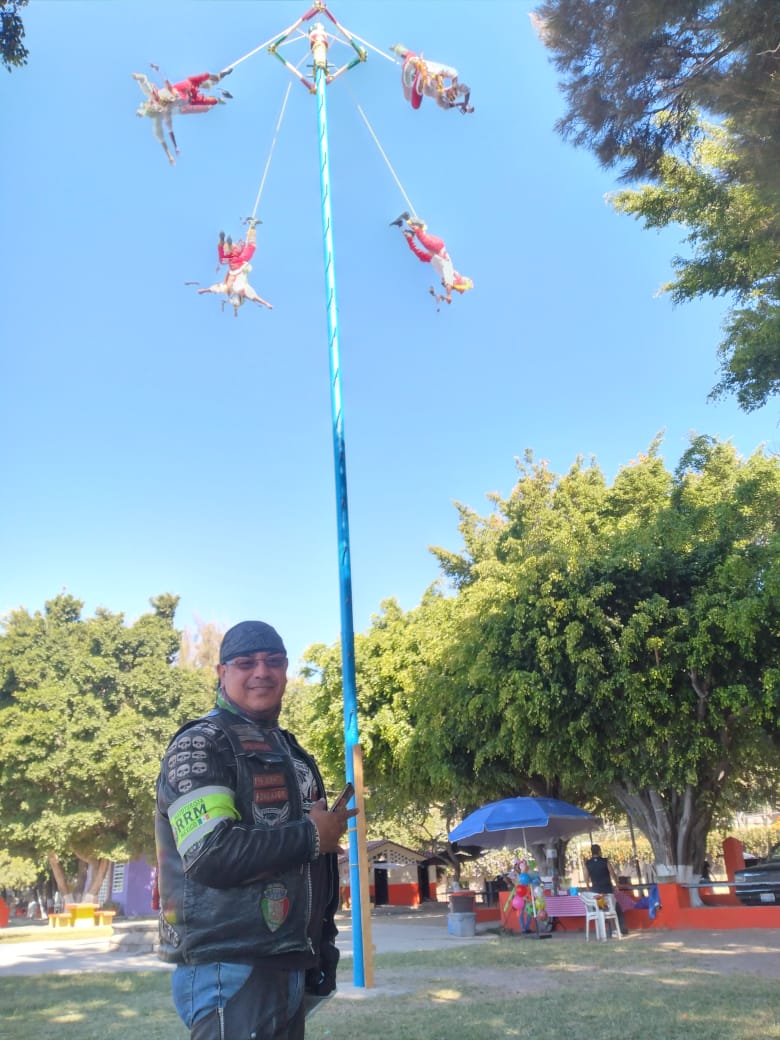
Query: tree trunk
(81, 878)
(673, 823)
(63, 885)
(99, 869)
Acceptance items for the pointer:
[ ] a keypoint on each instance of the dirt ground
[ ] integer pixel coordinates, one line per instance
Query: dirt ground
(749, 952)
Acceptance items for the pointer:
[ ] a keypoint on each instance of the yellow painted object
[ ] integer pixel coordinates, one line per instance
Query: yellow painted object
(60, 920)
(82, 914)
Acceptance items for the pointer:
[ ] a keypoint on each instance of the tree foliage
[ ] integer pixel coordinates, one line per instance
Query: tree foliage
(625, 639)
(13, 52)
(624, 63)
(614, 645)
(86, 708)
(640, 78)
(735, 239)
(16, 872)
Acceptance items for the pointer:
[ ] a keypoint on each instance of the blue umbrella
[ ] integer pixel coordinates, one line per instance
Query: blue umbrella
(516, 821)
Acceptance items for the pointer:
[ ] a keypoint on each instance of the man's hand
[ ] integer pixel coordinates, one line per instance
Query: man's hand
(331, 826)
(222, 237)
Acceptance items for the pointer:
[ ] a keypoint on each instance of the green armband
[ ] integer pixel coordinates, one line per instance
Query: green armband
(196, 814)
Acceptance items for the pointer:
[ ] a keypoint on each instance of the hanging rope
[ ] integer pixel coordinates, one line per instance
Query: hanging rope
(271, 150)
(411, 208)
(261, 47)
(381, 53)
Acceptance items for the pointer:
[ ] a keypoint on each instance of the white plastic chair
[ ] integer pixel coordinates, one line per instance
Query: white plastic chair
(598, 915)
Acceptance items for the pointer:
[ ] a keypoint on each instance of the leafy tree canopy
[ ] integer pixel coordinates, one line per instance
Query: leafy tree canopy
(12, 50)
(735, 240)
(86, 708)
(625, 639)
(640, 78)
(617, 646)
(625, 62)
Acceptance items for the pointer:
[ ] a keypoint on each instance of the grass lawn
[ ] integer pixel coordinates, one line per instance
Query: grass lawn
(510, 987)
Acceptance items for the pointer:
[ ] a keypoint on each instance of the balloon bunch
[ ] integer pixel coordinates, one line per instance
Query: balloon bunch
(527, 896)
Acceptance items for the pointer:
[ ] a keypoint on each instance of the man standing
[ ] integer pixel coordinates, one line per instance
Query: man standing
(600, 871)
(247, 859)
(603, 880)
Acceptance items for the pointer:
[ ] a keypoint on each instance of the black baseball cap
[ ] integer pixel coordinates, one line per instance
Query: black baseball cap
(250, 637)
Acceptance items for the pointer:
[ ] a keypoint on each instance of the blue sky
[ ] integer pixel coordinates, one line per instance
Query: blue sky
(152, 443)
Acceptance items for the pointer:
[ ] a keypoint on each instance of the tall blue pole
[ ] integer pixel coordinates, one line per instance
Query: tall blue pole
(319, 51)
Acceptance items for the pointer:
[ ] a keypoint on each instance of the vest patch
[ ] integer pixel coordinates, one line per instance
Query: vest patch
(275, 905)
(256, 745)
(270, 795)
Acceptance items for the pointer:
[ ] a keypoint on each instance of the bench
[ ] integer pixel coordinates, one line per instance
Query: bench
(103, 917)
(60, 920)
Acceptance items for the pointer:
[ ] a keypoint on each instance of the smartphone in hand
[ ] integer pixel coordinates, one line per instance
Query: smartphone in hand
(343, 798)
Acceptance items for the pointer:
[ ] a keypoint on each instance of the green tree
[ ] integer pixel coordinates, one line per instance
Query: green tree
(421, 769)
(615, 646)
(86, 708)
(636, 76)
(625, 64)
(17, 872)
(735, 238)
(623, 639)
(12, 50)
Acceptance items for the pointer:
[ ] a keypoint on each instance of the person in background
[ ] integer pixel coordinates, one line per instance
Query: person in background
(603, 879)
(247, 857)
(601, 873)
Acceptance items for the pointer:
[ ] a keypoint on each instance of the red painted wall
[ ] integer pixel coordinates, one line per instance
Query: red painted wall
(675, 914)
(397, 895)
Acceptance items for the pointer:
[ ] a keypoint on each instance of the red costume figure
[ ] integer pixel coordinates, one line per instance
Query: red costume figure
(192, 98)
(236, 288)
(433, 252)
(161, 102)
(430, 78)
(236, 254)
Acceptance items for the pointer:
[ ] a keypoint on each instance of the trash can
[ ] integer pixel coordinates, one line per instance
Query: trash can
(463, 902)
(462, 918)
(462, 924)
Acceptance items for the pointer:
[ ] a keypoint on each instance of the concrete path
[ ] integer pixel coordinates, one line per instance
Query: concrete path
(394, 930)
(401, 931)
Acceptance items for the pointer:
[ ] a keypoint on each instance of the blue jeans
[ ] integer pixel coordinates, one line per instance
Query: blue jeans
(223, 1000)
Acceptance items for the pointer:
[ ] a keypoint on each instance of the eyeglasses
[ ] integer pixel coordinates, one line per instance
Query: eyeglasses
(246, 664)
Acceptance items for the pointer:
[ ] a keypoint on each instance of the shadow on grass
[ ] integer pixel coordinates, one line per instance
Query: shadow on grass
(89, 1007)
(502, 989)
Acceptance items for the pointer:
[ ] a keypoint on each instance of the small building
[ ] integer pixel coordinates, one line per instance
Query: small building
(397, 876)
(130, 887)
